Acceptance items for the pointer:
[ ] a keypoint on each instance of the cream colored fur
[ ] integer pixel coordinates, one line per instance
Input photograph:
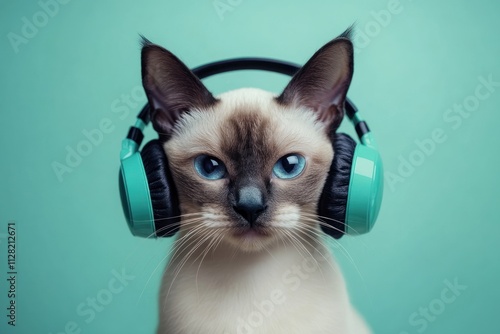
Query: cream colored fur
(219, 284)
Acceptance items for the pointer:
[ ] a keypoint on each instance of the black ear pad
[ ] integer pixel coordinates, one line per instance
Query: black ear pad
(333, 201)
(164, 199)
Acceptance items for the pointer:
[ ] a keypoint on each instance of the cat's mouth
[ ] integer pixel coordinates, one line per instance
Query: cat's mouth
(250, 233)
(250, 238)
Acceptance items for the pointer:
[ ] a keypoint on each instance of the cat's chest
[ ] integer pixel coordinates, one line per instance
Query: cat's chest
(289, 295)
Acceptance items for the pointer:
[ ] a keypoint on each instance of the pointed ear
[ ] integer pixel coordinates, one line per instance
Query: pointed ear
(322, 83)
(171, 88)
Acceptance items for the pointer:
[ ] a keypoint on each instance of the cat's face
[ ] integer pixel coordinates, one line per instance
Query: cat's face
(247, 133)
(249, 167)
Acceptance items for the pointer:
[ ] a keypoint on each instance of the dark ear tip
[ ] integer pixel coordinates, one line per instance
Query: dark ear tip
(343, 40)
(148, 47)
(144, 41)
(151, 49)
(347, 34)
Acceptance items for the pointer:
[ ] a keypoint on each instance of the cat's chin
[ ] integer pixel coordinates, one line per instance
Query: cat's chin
(250, 240)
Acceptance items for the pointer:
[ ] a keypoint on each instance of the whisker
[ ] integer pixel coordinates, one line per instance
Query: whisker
(180, 240)
(294, 242)
(203, 238)
(173, 217)
(147, 262)
(310, 254)
(326, 225)
(183, 245)
(183, 224)
(330, 219)
(328, 239)
(311, 229)
(310, 215)
(315, 220)
(346, 252)
(205, 252)
(218, 243)
(181, 264)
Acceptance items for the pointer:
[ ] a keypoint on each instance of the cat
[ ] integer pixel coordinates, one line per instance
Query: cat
(249, 168)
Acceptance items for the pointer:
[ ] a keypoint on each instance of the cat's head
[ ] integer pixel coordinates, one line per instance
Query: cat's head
(249, 166)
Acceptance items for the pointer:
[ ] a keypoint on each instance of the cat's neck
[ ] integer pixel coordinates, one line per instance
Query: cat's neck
(307, 254)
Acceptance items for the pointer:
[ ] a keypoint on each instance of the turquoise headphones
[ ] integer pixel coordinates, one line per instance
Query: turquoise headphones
(349, 204)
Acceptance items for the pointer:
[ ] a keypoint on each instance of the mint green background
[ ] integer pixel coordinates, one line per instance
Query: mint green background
(441, 223)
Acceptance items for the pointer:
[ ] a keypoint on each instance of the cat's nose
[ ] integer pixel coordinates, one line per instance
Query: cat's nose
(250, 203)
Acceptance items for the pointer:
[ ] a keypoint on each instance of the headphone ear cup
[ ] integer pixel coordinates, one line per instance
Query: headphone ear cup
(332, 204)
(164, 198)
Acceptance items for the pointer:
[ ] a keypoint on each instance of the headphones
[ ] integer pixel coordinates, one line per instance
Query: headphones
(351, 197)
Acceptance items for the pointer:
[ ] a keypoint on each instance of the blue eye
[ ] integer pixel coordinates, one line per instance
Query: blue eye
(289, 166)
(209, 167)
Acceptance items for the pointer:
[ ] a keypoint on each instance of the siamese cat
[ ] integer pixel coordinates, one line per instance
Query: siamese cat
(249, 168)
